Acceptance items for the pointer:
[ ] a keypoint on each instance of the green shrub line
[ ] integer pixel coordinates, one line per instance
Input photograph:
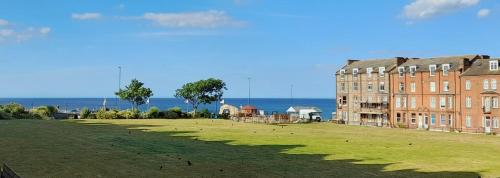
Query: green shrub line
(16, 111)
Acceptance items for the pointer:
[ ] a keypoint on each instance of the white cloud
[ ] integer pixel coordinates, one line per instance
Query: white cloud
(45, 30)
(86, 16)
(177, 33)
(3, 22)
(202, 19)
(423, 9)
(483, 13)
(6, 32)
(14, 35)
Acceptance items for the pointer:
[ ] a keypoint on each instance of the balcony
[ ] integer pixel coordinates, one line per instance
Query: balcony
(374, 108)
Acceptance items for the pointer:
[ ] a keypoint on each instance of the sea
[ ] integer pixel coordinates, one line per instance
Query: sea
(268, 105)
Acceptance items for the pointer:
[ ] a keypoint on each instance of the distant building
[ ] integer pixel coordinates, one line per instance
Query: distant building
(305, 112)
(249, 110)
(229, 110)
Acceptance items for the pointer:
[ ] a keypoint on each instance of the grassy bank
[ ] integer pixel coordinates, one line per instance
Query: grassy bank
(207, 148)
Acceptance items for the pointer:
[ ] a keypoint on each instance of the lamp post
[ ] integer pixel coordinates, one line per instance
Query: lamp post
(249, 90)
(291, 94)
(119, 86)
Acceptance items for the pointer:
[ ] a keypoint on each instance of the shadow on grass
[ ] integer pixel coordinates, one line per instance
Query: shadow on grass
(223, 159)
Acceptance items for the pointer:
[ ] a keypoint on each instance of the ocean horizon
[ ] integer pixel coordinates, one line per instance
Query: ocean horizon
(269, 105)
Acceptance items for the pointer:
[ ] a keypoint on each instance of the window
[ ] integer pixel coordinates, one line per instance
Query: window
(344, 115)
(344, 100)
(413, 87)
(495, 102)
(432, 86)
(398, 117)
(355, 86)
(342, 86)
(413, 118)
(413, 71)
(401, 71)
(355, 72)
(487, 104)
(432, 70)
(493, 65)
(442, 121)
(369, 72)
(468, 102)
(404, 102)
(468, 122)
(467, 85)
(401, 87)
(442, 102)
(495, 122)
(398, 102)
(493, 84)
(342, 74)
(433, 119)
(446, 68)
(433, 102)
(381, 86)
(413, 102)
(370, 86)
(446, 86)
(384, 99)
(486, 84)
(381, 71)
(450, 102)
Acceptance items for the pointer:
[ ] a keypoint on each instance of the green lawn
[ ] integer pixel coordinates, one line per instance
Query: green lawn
(219, 148)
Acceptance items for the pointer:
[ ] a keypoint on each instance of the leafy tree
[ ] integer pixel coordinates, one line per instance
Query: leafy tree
(135, 93)
(202, 92)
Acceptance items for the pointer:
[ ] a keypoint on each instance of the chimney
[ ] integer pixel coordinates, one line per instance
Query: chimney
(485, 57)
(401, 60)
(350, 61)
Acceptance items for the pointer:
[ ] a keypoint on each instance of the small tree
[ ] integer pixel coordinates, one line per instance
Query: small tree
(201, 92)
(135, 93)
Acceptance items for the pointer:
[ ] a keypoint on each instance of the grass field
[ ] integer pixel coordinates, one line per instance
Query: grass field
(218, 148)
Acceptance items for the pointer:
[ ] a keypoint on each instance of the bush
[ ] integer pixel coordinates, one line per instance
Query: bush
(176, 109)
(204, 114)
(5, 116)
(152, 113)
(85, 113)
(129, 114)
(14, 110)
(171, 115)
(103, 114)
(43, 112)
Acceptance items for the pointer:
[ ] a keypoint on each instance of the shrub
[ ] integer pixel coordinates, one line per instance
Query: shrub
(204, 114)
(14, 110)
(103, 114)
(85, 113)
(129, 114)
(152, 113)
(176, 109)
(171, 115)
(5, 116)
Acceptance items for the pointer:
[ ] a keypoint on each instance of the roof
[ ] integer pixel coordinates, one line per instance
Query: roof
(298, 108)
(373, 63)
(248, 107)
(481, 67)
(455, 62)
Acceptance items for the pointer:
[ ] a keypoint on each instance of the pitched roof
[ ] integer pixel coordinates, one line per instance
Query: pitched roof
(455, 62)
(372, 63)
(298, 108)
(481, 67)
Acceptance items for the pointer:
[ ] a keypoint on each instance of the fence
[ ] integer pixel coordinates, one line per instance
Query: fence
(272, 119)
(6, 172)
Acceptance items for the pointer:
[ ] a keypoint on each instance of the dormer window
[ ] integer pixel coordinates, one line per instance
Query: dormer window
(432, 70)
(446, 68)
(401, 71)
(381, 71)
(369, 72)
(355, 72)
(493, 65)
(342, 74)
(413, 71)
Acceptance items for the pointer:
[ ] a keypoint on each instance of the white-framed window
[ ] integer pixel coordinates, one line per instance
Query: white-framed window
(385, 99)
(404, 102)
(355, 86)
(486, 84)
(468, 102)
(450, 102)
(369, 72)
(432, 86)
(494, 102)
(413, 118)
(433, 102)
(381, 71)
(398, 102)
(401, 87)
(495, 122)
(493, 84)
(381, 86)
(370, 86)
(432, 70)
(355, 72)
(442, 120)
(401, 71)
(445, 68)
(467, 85)
(413, 102)
(413, 87)
(446, 86)
(413, 71)
(468, 122)
(442, 102)
(342, 74)
(493, 65)
(342, 86)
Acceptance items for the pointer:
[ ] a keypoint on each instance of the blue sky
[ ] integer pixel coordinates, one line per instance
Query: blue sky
(73, 48)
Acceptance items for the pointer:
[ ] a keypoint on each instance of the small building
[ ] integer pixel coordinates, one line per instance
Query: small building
(229, 110)
(305, 112)
(249, 110)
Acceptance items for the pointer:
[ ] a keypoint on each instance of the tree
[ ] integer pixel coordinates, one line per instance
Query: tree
(202, 92)
(135, 93)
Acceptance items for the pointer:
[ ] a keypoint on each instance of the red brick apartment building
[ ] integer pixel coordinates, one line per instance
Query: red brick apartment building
(445, 93)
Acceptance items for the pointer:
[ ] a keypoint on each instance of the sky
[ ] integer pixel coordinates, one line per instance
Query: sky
(73, 48)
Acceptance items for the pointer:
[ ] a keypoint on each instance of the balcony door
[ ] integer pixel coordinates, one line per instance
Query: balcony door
(487, 124)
